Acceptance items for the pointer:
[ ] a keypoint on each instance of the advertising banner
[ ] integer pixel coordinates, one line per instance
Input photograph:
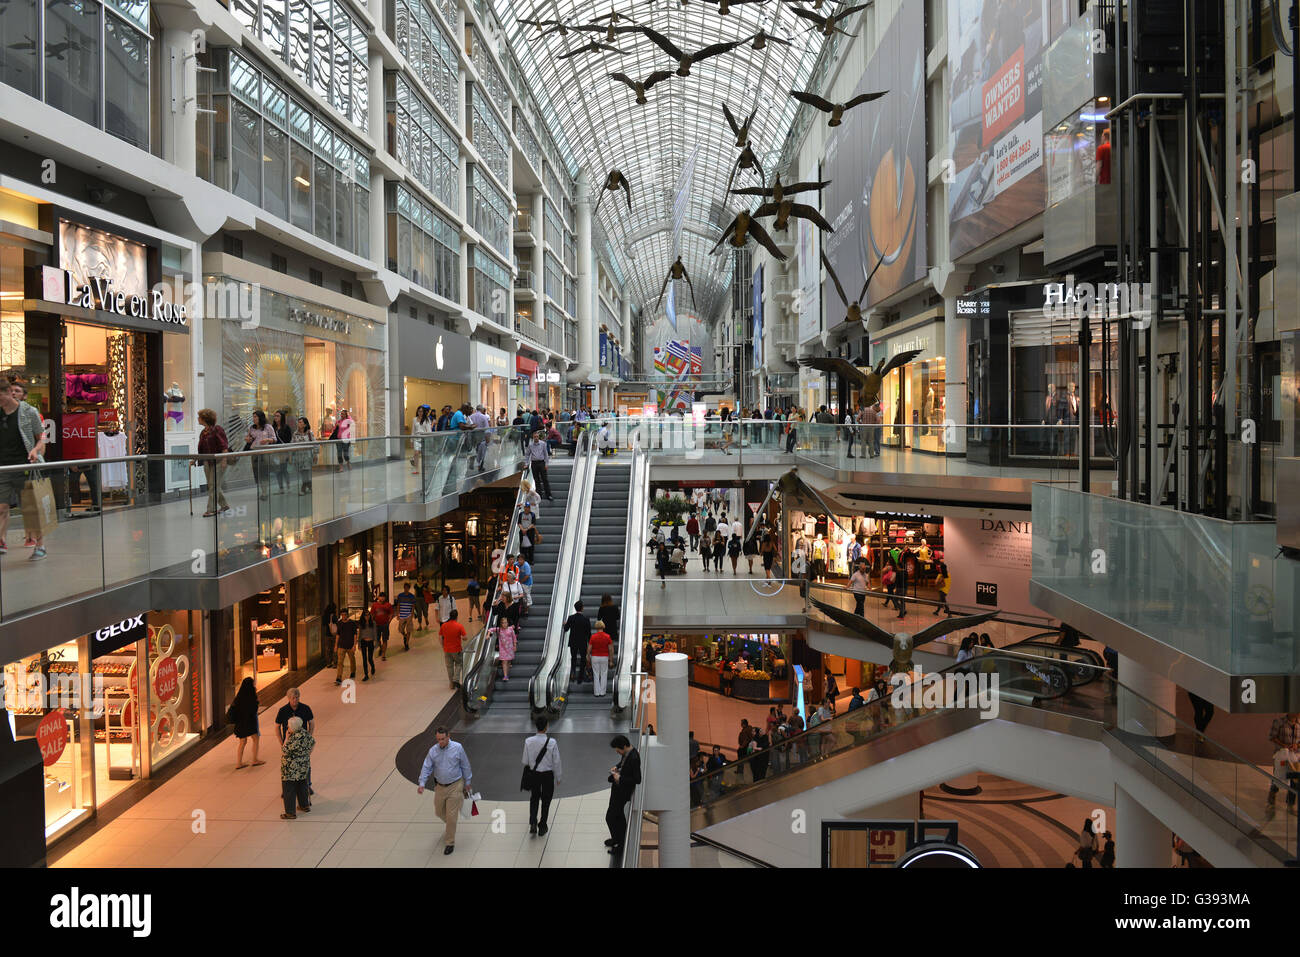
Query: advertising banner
(757, 288)
(996, 179)
(875, 163)
(808, 303)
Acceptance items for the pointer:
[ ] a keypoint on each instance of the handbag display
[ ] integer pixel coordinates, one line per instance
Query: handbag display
(529, 776)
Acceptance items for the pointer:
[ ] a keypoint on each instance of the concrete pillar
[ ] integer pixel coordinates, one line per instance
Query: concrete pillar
(588, 370)
(672, 707)
(950, 282)
(1140, 839)
(539, 256)
(1138, 716)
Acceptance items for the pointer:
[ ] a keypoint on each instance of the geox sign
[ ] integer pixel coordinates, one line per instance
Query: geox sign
(119, 634)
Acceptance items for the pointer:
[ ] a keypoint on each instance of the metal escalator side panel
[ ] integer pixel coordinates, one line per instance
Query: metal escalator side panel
(633, 601)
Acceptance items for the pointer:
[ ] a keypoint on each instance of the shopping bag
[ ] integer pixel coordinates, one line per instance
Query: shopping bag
(40, 514)
(469, 809)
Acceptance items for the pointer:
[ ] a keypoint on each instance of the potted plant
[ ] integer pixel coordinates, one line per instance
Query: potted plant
(670, 510)
(752, 684)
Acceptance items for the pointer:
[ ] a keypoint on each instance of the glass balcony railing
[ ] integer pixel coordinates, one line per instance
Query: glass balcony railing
(1212, 589)
(929, 450)
(107, 522)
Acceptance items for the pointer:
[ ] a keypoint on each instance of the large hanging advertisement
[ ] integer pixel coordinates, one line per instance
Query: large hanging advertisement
(875, 163)
(996, 179)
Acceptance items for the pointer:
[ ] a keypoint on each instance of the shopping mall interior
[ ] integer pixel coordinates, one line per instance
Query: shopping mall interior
(424, 383)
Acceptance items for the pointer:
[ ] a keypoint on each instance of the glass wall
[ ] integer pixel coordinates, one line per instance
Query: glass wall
(481, 57)
(489, 210)
(419, 140)
(489, 284)
(429, 50)
(323, 43)
(553, 278)
(553, 226)
(488, 134)
(265, 146)
(423, 246)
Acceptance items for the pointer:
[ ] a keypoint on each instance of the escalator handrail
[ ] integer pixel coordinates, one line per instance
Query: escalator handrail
(542, 689)
(485, 649)
(1007, 617)
(632, 608)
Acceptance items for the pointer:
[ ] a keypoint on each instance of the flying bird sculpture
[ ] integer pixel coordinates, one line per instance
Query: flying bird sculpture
(740, 129)
(592, 47)
(676, 271)
(836, 110)
(747, 160)
(778, 191)
(614, 182)
(741, 228)
(640, 87)
(854, 308)
(830, 24)
(762, 38)
(684, 59)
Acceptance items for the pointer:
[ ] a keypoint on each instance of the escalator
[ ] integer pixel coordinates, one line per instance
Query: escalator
(602, 569)
(512, 697)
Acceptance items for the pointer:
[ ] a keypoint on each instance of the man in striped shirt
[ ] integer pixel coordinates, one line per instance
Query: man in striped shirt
(405, 606)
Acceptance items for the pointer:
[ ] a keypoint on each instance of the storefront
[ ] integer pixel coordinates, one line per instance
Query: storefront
(526, 390)
(357, 570)
(761, 662)
(913, 394)
(493, 369)
(550, 389)
(97, 329)
(268, 637)
(432, 365)
(297, 356)
(80, 700)
(456, 546)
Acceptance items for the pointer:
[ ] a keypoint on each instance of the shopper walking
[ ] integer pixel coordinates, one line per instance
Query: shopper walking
(693, 531)
(423, 599)
(472, 592)
(944, 583)
(734, 546)
(623, 779)
(283, 436)
(507, 643)
(1284, 735)
(719, 551)
(767, 549)
(446, 605)
(538, 453)
(406, 603)
(260, 435)
(527, 530)
(294, 708)
(859, 585)
(243, 715)
(212, 441)
(452, 633)
(608, 614)
(448, 765)
(345, 643)
(295, 768)
(598, 646)
(345, 432)
(542, 772)
(304, 459)
(381, 610)
(367, 632)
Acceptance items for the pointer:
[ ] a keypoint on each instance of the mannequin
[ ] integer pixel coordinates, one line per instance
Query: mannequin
(174, 400)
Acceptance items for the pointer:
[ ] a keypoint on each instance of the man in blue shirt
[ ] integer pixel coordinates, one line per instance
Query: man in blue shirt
(405, 605)
(457, 421)
(525, 578)
(449, 766)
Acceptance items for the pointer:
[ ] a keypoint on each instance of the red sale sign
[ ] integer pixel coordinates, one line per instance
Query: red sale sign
(1004, 98)
(52, 736)
(80, 436)
(166, 682)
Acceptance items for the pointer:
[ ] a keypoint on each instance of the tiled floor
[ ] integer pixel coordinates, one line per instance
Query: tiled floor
(365, 813)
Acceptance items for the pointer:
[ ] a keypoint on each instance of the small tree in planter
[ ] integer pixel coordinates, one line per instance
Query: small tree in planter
(670, 510)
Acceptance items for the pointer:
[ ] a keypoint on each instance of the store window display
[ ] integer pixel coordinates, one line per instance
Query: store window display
(262, 637)
(175, 658)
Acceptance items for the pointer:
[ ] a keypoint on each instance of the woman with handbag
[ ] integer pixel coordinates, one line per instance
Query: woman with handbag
(212, 441)
(283, 435)
(260, 434)
(345, 432)
(243, 715)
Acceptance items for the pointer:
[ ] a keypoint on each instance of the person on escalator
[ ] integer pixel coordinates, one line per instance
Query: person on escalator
(578, 627)
(608, 613)
(598, 651)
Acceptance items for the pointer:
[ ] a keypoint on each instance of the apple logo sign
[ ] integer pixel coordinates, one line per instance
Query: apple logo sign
(437, 352)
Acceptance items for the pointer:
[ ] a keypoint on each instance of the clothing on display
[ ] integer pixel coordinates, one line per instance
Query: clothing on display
(174, 398)
(112, 444)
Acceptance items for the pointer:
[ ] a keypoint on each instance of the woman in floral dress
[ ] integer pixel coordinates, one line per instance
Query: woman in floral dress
(507, 640)
(295, 766)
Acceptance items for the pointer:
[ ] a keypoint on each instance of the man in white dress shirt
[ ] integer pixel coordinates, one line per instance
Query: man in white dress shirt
(542, 758)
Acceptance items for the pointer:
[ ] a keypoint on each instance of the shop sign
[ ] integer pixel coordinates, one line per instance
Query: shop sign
(117, 635)
(986, 593)
(166, 682)
(404, 564)
(972, 307)
(100, 292)
(329, 323)
(52, 736)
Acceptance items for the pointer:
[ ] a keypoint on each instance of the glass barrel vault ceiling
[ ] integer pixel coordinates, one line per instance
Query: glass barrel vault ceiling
(599, 126)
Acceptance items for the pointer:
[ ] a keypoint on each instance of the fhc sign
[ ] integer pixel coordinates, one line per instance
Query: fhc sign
(986, 593)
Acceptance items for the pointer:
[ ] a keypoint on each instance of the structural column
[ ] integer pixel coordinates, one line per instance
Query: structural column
(180, 85)
(588, 370)
(672, 759)
(1138, 716)
(1140, 839)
